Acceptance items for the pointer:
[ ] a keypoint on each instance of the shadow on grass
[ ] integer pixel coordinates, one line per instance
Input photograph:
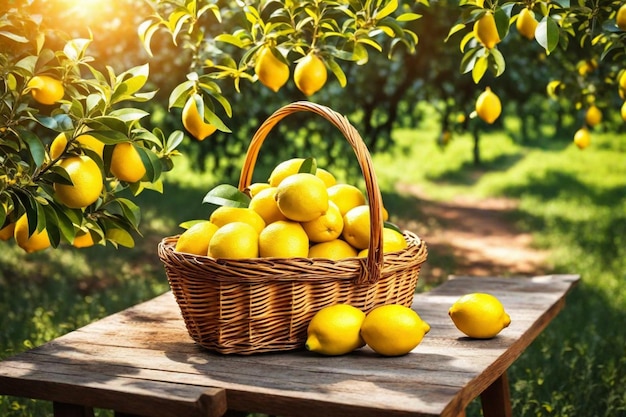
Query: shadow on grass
(469, 173)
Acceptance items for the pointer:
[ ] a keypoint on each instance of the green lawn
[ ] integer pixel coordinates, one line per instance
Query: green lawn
(574, 203)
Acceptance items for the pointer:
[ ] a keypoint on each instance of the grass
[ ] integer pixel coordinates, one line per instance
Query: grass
(574, 203)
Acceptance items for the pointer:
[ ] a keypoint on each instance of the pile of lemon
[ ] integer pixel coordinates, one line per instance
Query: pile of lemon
(293, 214)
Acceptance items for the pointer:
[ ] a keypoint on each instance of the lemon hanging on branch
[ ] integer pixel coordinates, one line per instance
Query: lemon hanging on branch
(593, 116)
(310, 74)
(46, 89)
(486, 31)
(488, 106)
(526, 23)
(271, 71)
(582, 138)
(86, 182)
(193, 121)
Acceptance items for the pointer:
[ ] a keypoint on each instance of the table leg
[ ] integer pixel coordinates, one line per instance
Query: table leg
(71, 410)
(496, 399)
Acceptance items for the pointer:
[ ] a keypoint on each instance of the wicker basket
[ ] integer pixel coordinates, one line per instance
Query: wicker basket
(265, 304)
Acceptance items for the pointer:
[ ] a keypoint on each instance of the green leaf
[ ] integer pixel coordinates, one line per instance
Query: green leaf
(338, 72)
(129, 114)
(119, 236)
(496, 61)
(502, 22)
(146, 30)
(174, 139)
(179, 94)
(226, 195)
(389, 8)
(547, 34)
(308, 166)
(35, 146)
(454, 29)
(392, 226)
(151, 162)
(231, 39)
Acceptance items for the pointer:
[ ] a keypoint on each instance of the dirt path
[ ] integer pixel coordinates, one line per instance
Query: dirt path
(474, 237)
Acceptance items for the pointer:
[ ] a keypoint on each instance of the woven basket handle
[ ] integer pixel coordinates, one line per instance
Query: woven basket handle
(372, 265)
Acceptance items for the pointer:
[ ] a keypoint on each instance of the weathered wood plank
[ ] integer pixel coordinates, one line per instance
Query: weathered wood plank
(144, 356)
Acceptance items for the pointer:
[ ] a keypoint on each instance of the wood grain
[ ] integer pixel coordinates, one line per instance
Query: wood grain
(142, 361)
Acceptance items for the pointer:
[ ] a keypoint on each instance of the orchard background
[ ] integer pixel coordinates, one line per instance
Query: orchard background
(132, 71)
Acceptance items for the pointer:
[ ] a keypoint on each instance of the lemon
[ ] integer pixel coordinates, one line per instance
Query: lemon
(393, 330)
(326, 227)
(194, 123)
(302, 197)
(284, 170)
(488, 106)
(310, 74)
(593, 116)
(526, 23)
(356, 227)
(39, 240)
(6, 232)
(89, 142)
(126, 164)
(58, 145)
(486, 32)
(196, 239)
(393, 241)
(283, 239)
(620, 19)
(83, 240)
(236, 240)
(328, 178)
(623, 111)
(582, 138)
(87, 182)
(553, 88)
(622, 80)
(264, 203)
(479, 315)
(334, 249)
(224, 215)
(335, 330)
(346, 197)
(255, 188)
(272, 72)
(45, 89)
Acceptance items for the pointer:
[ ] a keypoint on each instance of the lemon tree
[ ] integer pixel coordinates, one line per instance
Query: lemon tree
(62, 124)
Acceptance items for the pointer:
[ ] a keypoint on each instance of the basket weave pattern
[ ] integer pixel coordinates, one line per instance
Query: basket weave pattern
(258, 305)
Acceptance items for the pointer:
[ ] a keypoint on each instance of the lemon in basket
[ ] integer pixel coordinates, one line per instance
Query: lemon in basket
(335, 330)
(225, 214)
(284, 170)
(479, 315)
(326, 227)
(264, 203)
(393, 330)
(356, 227)
(195, 240)
(237, 240)
(346, 196)
(302, 197)
(334, 249)
(283, 239)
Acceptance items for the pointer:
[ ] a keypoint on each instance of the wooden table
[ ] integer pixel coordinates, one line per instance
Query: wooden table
(141, 361)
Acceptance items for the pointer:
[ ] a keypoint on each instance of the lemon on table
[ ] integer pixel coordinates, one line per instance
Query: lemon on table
(479, 315)
(326, 227)
(264, 203)
(237, 240)
(335, 330)
(346, 197)
(302, 197)
(225, 214)
(196, 239)
(283, 239)
(393, 330)
(335, 249)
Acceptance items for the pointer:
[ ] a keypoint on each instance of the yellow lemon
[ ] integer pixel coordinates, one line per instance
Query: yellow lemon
(526, 23)
(326, 227)
(87, 182)
(335, 330)
(272, 72)
(393, 241)
(284, 170)
(623, 111)
(582, 138)
(334, 249)
(346, 197)
(310, 74)
(488, 106)
(92, 143)
(45, 89)
(58, 145)
(264, 203)
(553, 88)
(83, 240)
(283, 239)
(194, 123)
(126, 164)
(255, 188)
(593, 116)
(6, 232)
(393, 330)
(224, 215)
(328, 178)
(196, 239)
(39, 240)
(356, 227)
(236, 240)
(302, 197)
(486, 32)
(620, 19)
(479, 315)
(622, 80)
